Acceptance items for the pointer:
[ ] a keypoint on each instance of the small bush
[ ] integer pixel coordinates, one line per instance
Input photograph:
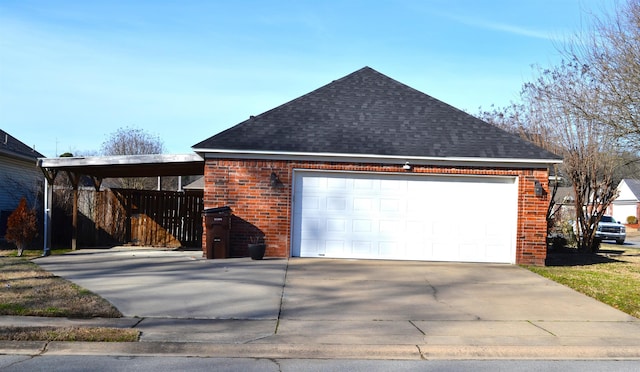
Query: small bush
(22, 226)
(632, 220)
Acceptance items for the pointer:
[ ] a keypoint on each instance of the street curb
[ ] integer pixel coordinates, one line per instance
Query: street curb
(22, 347)
(335, 351)
(283, 351)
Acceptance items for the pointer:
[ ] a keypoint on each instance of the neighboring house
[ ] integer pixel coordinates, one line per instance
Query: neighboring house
(19, 176)
(367, 167)
(198, 184)
(628, 201)
(565, 199)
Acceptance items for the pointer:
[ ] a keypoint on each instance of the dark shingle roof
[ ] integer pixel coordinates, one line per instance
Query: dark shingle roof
(368, 113)
(634, 186)
(10, 146)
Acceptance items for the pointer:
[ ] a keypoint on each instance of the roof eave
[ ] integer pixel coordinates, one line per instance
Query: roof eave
(118, 159)
(368, 158)
(19, 156)
(127, 165)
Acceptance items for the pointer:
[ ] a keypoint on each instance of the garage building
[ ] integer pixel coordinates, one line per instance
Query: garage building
(367, 167)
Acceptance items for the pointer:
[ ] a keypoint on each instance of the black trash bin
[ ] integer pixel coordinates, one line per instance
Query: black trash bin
(218, 224)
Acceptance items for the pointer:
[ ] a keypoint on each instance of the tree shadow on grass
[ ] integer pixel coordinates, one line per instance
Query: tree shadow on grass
(572, 257)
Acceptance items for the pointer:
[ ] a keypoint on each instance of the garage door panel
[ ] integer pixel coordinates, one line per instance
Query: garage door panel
(442, 218)
(312, 247)
(471, 250)
(362, 226)
(363, 204)
(335, 225)
(336, 248)
(390, 227)
(336, 204)
(387, 249)
(312, 225)
(364, 184)
(336, 184)
(363, 248)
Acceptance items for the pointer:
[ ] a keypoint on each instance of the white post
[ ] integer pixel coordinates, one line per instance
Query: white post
(48, 195)
(159, 183)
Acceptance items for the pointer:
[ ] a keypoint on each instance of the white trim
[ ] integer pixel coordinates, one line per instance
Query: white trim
(404, 173)
(368, 158)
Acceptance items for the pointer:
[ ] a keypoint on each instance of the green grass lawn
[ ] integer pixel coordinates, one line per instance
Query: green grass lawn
(28, 290)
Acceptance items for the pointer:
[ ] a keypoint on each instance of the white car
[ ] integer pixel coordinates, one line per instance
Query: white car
(610, 229)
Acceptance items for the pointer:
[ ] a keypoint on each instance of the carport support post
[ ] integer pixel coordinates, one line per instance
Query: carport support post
(75, 180)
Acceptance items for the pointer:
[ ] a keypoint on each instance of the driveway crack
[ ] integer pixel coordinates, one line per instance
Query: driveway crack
(541, 328)
(438, 300)
(418, 328)
(284, 284)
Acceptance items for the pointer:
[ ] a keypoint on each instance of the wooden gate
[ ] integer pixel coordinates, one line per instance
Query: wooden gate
(162, 218)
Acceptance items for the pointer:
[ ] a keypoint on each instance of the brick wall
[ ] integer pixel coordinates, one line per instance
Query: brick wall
(263, 208)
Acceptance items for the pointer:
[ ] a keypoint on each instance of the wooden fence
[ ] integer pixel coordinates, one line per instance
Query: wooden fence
(136, 217)
(162, 218)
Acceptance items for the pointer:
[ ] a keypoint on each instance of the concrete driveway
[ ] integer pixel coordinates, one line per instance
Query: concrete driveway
(180, 297)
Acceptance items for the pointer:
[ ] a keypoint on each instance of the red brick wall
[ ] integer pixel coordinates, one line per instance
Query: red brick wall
(259, 209)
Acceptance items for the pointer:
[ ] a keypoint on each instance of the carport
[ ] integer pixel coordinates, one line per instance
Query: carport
(98, 168)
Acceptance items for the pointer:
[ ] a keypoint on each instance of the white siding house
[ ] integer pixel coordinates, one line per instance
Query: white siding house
(628, 201)
(19, 176)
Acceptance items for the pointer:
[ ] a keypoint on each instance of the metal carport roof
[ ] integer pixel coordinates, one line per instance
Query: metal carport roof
(101, 167)
(127, 165)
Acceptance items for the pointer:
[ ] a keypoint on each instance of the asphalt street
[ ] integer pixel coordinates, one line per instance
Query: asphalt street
(171, 364)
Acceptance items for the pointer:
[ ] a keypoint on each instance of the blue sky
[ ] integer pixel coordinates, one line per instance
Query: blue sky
(72, 72)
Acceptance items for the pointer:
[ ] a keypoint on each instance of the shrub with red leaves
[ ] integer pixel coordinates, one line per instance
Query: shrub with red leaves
(22, 226)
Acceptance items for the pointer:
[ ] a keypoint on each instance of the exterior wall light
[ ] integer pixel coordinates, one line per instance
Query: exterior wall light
(537, 188)
(275, 181)
(406, 166)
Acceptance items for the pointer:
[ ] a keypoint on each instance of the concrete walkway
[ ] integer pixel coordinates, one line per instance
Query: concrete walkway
(322, 308)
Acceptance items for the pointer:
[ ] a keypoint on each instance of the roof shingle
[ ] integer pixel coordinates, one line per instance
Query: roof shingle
(11, 146)
(368, 113)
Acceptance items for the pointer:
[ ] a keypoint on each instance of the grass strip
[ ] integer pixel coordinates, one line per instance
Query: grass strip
(88, 334)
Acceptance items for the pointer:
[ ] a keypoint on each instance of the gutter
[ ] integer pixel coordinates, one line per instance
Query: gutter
(369, 158)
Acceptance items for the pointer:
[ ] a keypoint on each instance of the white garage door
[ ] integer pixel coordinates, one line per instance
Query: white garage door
(405, 217)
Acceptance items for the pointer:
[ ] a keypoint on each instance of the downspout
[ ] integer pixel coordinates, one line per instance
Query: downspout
(49, 178)
(48, 196)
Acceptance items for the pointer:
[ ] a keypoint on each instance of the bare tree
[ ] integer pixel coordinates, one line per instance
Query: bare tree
(133, 141)
(588, 109)
(556, 113)
(609, 55)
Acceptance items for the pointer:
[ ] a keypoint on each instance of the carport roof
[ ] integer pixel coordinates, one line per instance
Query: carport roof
(127, 165)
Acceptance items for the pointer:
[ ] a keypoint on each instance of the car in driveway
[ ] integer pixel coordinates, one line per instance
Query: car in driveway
(610, 229)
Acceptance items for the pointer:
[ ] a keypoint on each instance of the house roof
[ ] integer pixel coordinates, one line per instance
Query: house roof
(634, 186)
(198, 184)
(12, 147)
(564, 195)
(368, 113)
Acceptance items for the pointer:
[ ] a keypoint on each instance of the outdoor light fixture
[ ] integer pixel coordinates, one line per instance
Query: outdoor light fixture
(537, 188)
(274, 180)
(406, 166)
